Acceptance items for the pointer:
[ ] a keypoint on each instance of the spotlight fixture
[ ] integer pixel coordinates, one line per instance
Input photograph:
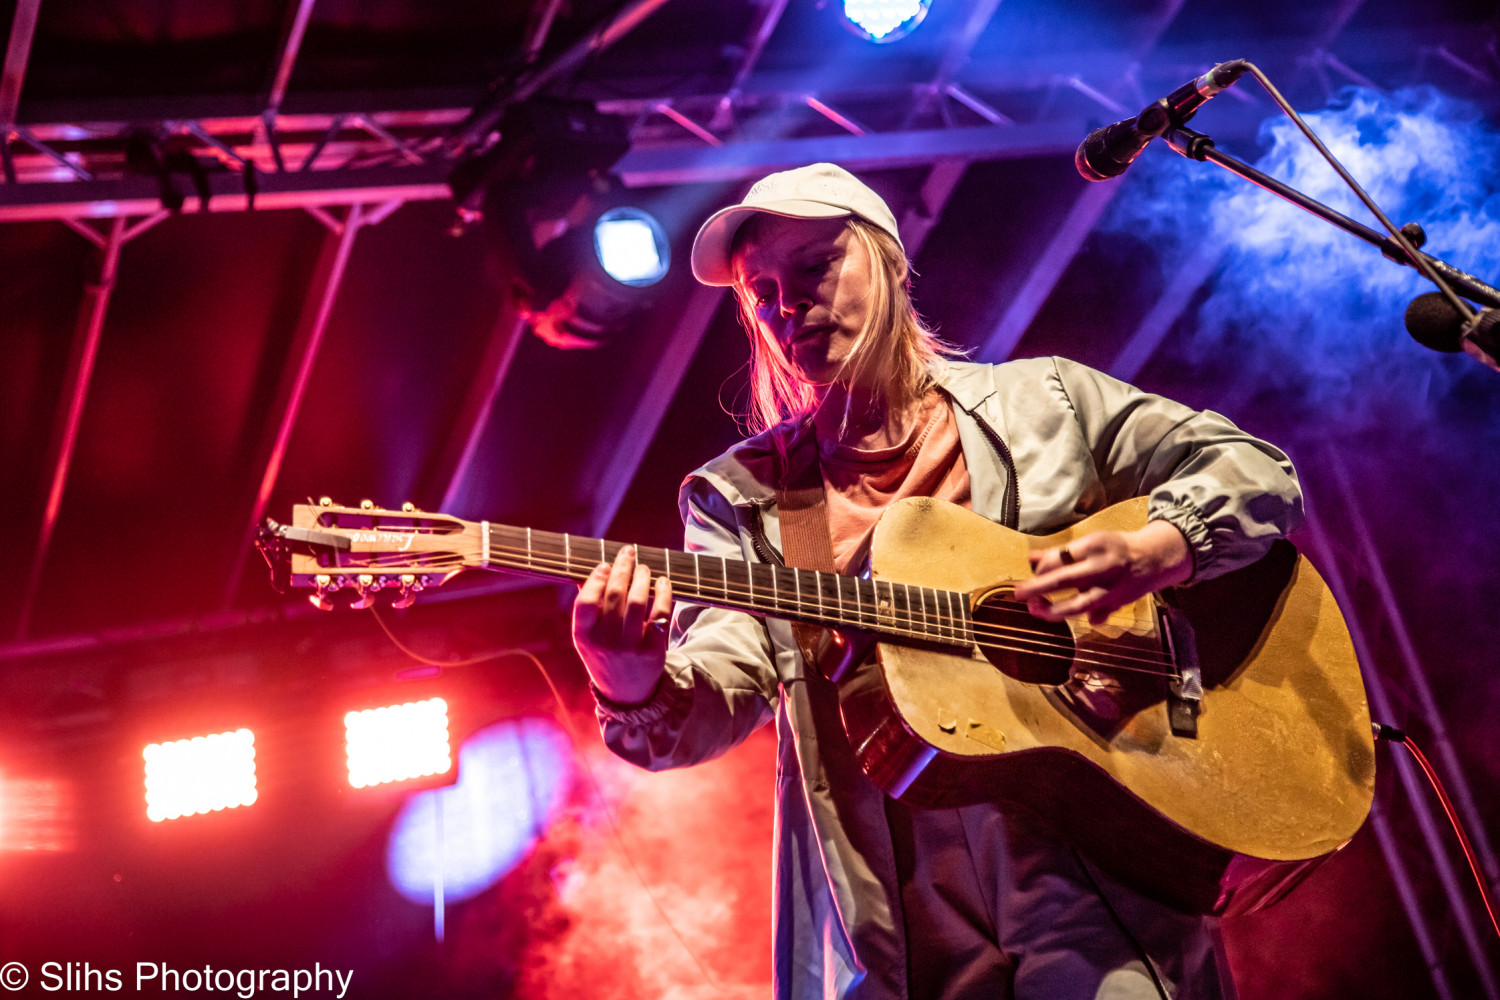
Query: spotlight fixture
(397, 742)
(632, 247)
(201, 775)
(579, 261)
(883, 21)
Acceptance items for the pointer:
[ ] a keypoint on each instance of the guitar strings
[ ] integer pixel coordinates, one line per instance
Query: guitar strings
(922, 625)
(1051, 645)
(916, 625)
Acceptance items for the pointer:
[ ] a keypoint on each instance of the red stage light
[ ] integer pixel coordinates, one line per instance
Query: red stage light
(398, 742)
(36, 814)
(200, 775)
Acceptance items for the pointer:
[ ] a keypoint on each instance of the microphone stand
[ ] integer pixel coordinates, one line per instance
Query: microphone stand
(1197, 146)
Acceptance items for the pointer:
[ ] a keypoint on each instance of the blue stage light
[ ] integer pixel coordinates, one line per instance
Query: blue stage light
(512, 778)
(884, 20)
(632, 247)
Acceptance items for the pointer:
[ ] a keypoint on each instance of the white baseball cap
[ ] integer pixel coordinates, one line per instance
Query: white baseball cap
(818, 191)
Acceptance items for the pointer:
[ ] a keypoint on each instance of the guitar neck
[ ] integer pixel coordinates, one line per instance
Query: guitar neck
(828, 599)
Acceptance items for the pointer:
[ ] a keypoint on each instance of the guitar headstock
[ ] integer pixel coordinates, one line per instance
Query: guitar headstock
(329, 548)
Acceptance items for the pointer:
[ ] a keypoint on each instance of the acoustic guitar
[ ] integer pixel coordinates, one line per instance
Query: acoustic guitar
(1209, 743)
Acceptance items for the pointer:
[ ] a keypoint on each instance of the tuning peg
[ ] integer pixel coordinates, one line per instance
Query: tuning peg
(409, 588)
(320, 599)
(367, 505)
(367, 589)
(325, 501)
(409, 507)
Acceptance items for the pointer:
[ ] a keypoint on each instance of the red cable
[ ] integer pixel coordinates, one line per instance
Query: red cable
(1463, 838)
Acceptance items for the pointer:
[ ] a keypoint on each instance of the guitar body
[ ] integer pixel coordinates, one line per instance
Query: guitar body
(1279, 774)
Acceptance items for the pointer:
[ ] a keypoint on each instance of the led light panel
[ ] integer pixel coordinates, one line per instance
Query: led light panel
(398, 742)
(200, 775)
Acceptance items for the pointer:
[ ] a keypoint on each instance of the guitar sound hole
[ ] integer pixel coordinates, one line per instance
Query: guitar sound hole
(1022, 646)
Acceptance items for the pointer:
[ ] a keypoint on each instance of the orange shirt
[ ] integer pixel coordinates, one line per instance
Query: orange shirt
(858, 484)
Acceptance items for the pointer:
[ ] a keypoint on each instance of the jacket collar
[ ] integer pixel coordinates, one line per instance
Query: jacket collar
(747, 473)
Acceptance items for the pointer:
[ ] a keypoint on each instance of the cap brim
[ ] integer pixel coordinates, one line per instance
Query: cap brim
(715, 240)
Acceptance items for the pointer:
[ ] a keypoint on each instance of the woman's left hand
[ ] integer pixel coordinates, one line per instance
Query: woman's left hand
(1109, 569)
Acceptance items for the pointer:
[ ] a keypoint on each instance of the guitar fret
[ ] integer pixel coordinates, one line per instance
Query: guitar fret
(759, 588)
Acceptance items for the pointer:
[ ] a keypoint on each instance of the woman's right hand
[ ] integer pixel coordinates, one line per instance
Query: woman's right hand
(617, 628)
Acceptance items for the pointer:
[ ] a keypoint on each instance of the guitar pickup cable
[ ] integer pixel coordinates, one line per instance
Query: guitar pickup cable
(1390, 734)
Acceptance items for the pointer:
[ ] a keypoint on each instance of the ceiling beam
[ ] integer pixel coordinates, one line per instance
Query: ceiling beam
(766, 20)
(296, 189)
(955, 55)
(288, 59)
(1168, 308)
(93, 310)
(317, 307)
(1048, 269)
(487, 114)
(17, 52)
(923, 215)
(456, 457)
(618, 461)
(1381, 707)
(1462, 794)
(876, 151)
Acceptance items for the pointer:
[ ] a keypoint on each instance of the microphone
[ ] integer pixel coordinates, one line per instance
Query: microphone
(1435, 323)
(1110, 149)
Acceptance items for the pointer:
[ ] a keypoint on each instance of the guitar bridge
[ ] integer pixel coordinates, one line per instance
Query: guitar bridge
(1185, 690)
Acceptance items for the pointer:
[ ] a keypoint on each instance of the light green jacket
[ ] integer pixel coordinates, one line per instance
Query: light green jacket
(1047, 442)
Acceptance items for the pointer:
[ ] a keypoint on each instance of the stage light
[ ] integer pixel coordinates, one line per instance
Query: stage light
(513, 779)
(398, 742)
(36, 814)
(632, 247)
(200, 775)
(884, 21)
(579, 265)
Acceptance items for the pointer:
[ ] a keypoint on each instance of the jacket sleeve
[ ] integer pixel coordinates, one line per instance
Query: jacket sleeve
(1229, 493)
(720, 684)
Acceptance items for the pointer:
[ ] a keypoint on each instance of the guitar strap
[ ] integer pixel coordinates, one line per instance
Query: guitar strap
(802, 510)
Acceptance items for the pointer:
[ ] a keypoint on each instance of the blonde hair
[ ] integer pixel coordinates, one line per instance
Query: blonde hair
(895, 348)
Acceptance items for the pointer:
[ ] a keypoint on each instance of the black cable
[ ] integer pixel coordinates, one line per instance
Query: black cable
(577, 744)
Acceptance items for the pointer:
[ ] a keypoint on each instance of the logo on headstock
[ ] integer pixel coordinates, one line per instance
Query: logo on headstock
(401, 539)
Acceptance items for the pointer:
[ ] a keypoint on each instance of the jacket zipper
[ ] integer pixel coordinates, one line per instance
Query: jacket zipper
(1010, 510)
(758, 540)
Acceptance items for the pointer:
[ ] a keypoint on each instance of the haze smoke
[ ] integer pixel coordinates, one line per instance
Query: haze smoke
(1305, 306)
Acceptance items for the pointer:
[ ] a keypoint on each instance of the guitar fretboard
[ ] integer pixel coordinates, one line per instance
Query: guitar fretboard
(759, 588)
